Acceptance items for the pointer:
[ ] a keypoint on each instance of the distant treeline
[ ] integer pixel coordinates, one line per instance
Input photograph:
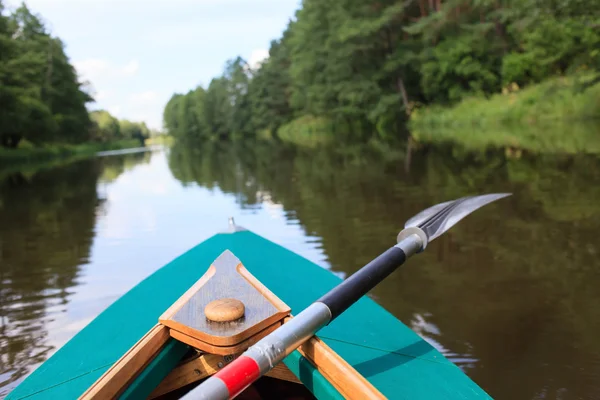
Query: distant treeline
(105, 128)
(41, 97)
(360, 67)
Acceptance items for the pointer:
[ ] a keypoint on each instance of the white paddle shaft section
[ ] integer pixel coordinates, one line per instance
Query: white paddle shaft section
(275, 347)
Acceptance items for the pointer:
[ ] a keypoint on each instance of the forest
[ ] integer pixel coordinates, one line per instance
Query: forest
(42, 100)
(360, 69)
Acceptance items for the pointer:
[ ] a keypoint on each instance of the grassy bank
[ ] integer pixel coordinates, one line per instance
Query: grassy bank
(554, 116)
(28, 153)
(165, 140)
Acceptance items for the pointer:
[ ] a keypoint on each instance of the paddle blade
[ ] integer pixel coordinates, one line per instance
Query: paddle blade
(438, 219)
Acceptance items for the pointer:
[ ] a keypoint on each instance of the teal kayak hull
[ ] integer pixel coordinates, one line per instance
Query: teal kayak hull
(398, 362)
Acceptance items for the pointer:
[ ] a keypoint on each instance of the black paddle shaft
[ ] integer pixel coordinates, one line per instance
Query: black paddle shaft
(365, 279)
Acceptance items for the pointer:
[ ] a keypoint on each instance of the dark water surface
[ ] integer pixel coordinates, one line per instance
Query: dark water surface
(511, 294)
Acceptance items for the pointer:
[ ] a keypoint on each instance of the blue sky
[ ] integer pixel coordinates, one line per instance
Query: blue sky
(137, 53)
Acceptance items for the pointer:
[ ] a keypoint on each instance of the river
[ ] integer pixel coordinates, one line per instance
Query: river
(511, 294)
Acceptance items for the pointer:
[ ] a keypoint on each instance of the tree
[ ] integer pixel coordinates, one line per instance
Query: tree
(105, 126)
(25, 114)
(134, 130)
(237, 77)
(40, 94)
(269, 88)
(64, 96)
(170, 117)
(8, 95)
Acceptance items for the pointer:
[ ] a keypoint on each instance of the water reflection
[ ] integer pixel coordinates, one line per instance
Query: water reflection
(510, 294)
(47, 224)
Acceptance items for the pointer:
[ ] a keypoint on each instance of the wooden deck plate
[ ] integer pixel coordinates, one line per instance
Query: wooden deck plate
(226, 278)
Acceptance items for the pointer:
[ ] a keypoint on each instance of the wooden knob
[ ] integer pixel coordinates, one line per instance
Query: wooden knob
(224, 310)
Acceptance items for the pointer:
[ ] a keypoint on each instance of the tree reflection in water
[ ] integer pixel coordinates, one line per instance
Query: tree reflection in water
(47, 221)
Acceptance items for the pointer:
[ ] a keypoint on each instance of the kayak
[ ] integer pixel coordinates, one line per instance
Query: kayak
(365, 348)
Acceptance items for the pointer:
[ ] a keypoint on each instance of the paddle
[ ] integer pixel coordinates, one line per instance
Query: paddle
(265, 354)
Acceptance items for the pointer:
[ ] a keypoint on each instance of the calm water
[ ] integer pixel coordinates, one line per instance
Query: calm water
(511, 294)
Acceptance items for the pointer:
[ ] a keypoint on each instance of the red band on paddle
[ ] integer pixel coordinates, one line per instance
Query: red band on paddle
(238, 375)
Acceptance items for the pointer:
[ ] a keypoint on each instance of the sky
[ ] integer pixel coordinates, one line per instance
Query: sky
(137, 53)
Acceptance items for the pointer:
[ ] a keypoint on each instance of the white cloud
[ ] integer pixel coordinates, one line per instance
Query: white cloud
(114, 110)
(131, 68)
(144, 98)
(91, 67)
(94, 69)
(146, 106)
(102, 95)
(257, 57)
(148, 118)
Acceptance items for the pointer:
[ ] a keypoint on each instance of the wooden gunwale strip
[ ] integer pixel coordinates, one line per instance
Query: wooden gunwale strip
(348, 381)
(117, 377)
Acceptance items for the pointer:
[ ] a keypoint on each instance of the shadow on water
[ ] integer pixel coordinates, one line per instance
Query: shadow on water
(47, 220)
(393, 359)
(510, 294)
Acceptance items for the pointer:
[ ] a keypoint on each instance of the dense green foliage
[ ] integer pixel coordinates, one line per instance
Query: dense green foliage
(134, 130)
(220, 111)
(106, 127)
(365, 65)
(42, 99)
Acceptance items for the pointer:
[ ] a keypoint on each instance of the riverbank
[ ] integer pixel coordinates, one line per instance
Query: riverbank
(27, 154)
(162, 140)
(314, 131)
(555, 116)
(307, 131)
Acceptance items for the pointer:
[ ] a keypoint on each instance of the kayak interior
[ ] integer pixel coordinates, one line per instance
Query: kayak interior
(264, 388)
(280, 384)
